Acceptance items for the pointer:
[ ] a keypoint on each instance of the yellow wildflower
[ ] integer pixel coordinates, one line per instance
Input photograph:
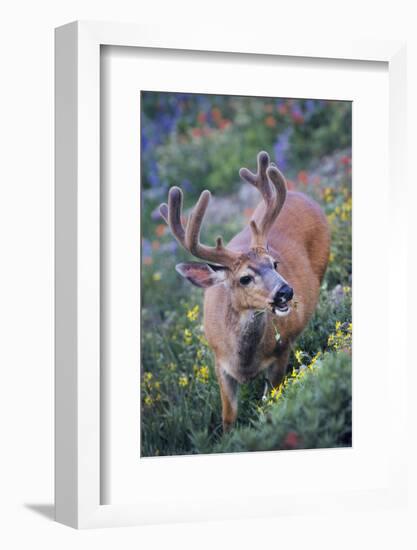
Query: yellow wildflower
(148, 400)
(328, 194)
(203, 374)
(187, 336)
(192, 314)
(183, 381)
(202, 339)
(277, 392)
(342, 338)
(313, 361)
(299, 356)
(157, 276)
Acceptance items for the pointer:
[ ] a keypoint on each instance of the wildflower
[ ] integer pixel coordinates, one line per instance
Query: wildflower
(199, 354)
(202, 339)
(183, 381)
(223, 124)
(314, 360)
(297, 115)
(157, 276)
(203, 374)
(192, 314)
(345, 160)
(156, 245)
(160, 230)
(331, 217)
(147, 260)
(216, 114)
(201, 117)
(148, 400)
(277, 392)
(188, 337)
(291, 440)
(283, 108)
(270, 121)
(342, 338)
(303, 177)
(281, 148)
(328, 194)
(299, 356)
(148, 376)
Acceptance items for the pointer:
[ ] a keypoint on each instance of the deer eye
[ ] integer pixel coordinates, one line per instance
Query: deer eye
(245, 280)
(275, 265)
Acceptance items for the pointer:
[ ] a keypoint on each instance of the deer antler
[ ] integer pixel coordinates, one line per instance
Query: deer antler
(274, 200)
(189, 237)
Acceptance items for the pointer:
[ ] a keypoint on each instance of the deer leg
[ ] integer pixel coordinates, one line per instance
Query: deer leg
(228, 393)
(278, 369)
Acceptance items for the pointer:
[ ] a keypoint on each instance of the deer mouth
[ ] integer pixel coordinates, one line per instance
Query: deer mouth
(281, 309)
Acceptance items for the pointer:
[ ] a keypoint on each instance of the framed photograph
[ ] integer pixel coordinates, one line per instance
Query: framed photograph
(230, 298)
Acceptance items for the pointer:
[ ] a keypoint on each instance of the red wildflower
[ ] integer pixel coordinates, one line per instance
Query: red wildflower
(156, 245)
(160, 230)
(283, 109)
(345, 160)
(270, 121)
(216, 114)
(291, 441)
(196, 132)
(201, 117)
(297, 118)
(303, 177)
(223, 124)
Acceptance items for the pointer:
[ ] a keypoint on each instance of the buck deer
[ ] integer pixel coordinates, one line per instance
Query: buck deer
(262, 288)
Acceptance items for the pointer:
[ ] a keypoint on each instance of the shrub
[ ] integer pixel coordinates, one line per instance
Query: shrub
(314, 410)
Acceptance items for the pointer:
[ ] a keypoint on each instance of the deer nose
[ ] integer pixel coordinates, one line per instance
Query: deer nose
(283, 294)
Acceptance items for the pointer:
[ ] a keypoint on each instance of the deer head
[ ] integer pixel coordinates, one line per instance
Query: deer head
(252, 275)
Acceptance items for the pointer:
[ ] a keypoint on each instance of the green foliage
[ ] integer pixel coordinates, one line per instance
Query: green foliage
(314, 411)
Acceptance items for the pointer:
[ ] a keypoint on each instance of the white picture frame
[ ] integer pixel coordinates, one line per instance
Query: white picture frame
(78, 411)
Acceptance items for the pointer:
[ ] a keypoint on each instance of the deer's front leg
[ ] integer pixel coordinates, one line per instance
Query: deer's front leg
(229, 394)
(278, 369)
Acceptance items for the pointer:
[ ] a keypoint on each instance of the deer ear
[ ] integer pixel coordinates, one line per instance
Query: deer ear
(202, 275)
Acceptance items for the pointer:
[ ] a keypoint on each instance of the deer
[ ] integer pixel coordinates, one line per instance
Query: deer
(261, 289)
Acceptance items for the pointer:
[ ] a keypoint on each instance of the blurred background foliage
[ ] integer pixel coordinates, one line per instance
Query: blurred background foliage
(199, 142)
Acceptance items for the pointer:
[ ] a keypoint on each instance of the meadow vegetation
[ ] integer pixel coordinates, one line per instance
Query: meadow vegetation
(200, 142)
